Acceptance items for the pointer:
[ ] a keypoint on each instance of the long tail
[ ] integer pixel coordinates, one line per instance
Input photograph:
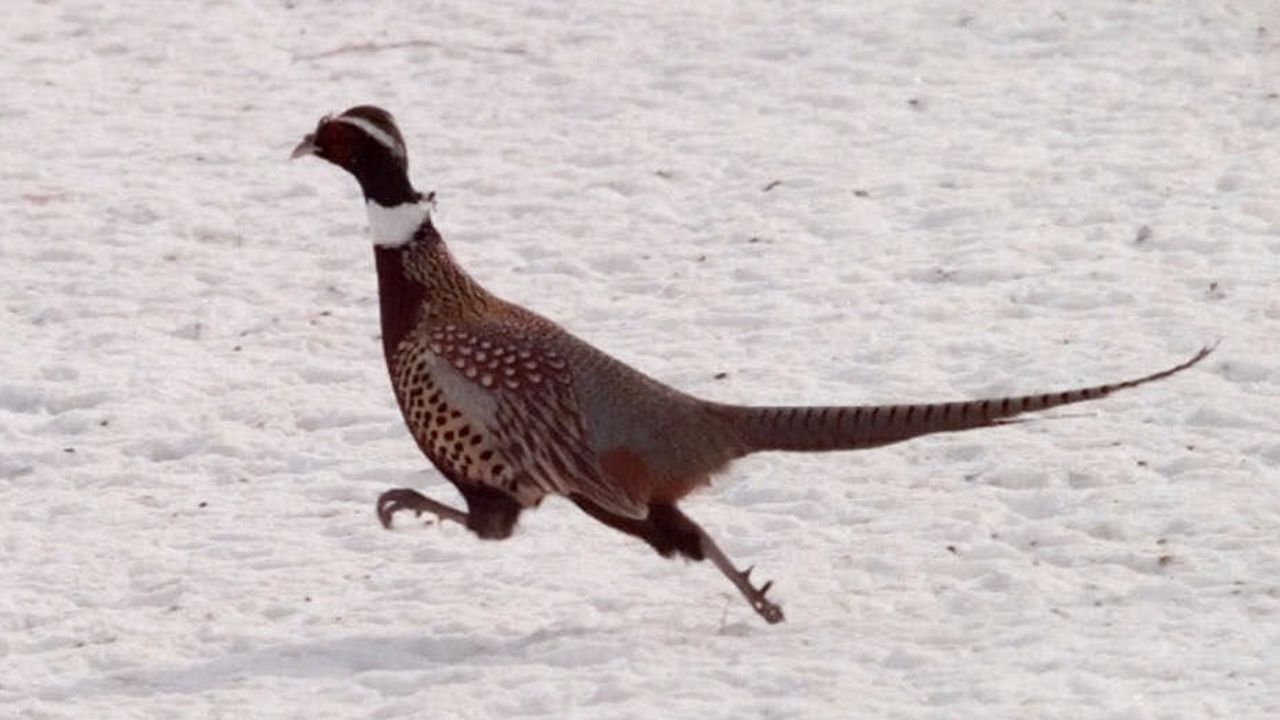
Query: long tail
(865, 426)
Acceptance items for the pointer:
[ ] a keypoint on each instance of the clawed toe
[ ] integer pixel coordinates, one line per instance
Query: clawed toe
(771, 612)
(393, 501)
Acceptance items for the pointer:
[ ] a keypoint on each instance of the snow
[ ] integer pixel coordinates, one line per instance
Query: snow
(756, 202)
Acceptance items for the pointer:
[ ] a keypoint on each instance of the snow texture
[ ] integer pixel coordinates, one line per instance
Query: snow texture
(757, 202)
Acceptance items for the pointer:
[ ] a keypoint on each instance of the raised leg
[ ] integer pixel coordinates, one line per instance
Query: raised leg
(670, 521)
(392, 501)
(741, 579)
(670, 531)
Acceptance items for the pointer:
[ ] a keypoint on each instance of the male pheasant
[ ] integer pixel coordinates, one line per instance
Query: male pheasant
(511, 408)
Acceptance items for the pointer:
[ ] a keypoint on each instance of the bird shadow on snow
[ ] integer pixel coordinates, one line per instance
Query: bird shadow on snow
(341, 657)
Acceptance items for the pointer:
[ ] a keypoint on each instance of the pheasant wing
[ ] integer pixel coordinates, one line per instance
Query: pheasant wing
(536, 415)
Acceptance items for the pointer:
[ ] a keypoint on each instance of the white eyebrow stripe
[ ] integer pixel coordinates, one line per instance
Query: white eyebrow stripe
(374, 132)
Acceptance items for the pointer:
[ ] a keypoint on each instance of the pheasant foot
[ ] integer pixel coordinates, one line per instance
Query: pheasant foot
(741, 579)
(392, 501)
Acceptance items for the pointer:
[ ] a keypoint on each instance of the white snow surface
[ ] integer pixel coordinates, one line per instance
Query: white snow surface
(756, 202)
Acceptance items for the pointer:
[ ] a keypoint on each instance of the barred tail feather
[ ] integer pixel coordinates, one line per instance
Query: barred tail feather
(854, 427)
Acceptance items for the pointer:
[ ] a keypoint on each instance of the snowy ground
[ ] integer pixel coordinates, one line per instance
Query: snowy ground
(862, 202)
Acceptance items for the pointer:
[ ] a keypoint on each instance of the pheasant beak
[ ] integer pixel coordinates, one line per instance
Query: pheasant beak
(306, 147)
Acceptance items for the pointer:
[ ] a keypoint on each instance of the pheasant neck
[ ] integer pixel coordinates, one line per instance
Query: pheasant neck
(396, 225)
(419, 283)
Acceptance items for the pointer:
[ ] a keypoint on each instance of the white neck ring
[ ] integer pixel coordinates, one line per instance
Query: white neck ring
(395, 226)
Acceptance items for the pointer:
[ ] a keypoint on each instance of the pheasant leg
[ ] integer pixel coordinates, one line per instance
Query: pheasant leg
(696, 543)
(741, 579)
(670, 531)
(392, 501)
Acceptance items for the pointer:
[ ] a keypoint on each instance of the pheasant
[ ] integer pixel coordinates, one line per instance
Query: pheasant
(511, 408)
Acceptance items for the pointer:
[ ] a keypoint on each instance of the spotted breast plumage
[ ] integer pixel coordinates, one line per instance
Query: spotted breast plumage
(512, 408)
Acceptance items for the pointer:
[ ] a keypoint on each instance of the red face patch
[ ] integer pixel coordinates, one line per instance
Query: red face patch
(337, 142)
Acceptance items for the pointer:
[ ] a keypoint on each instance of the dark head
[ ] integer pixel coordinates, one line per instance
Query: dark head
(365, 142)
